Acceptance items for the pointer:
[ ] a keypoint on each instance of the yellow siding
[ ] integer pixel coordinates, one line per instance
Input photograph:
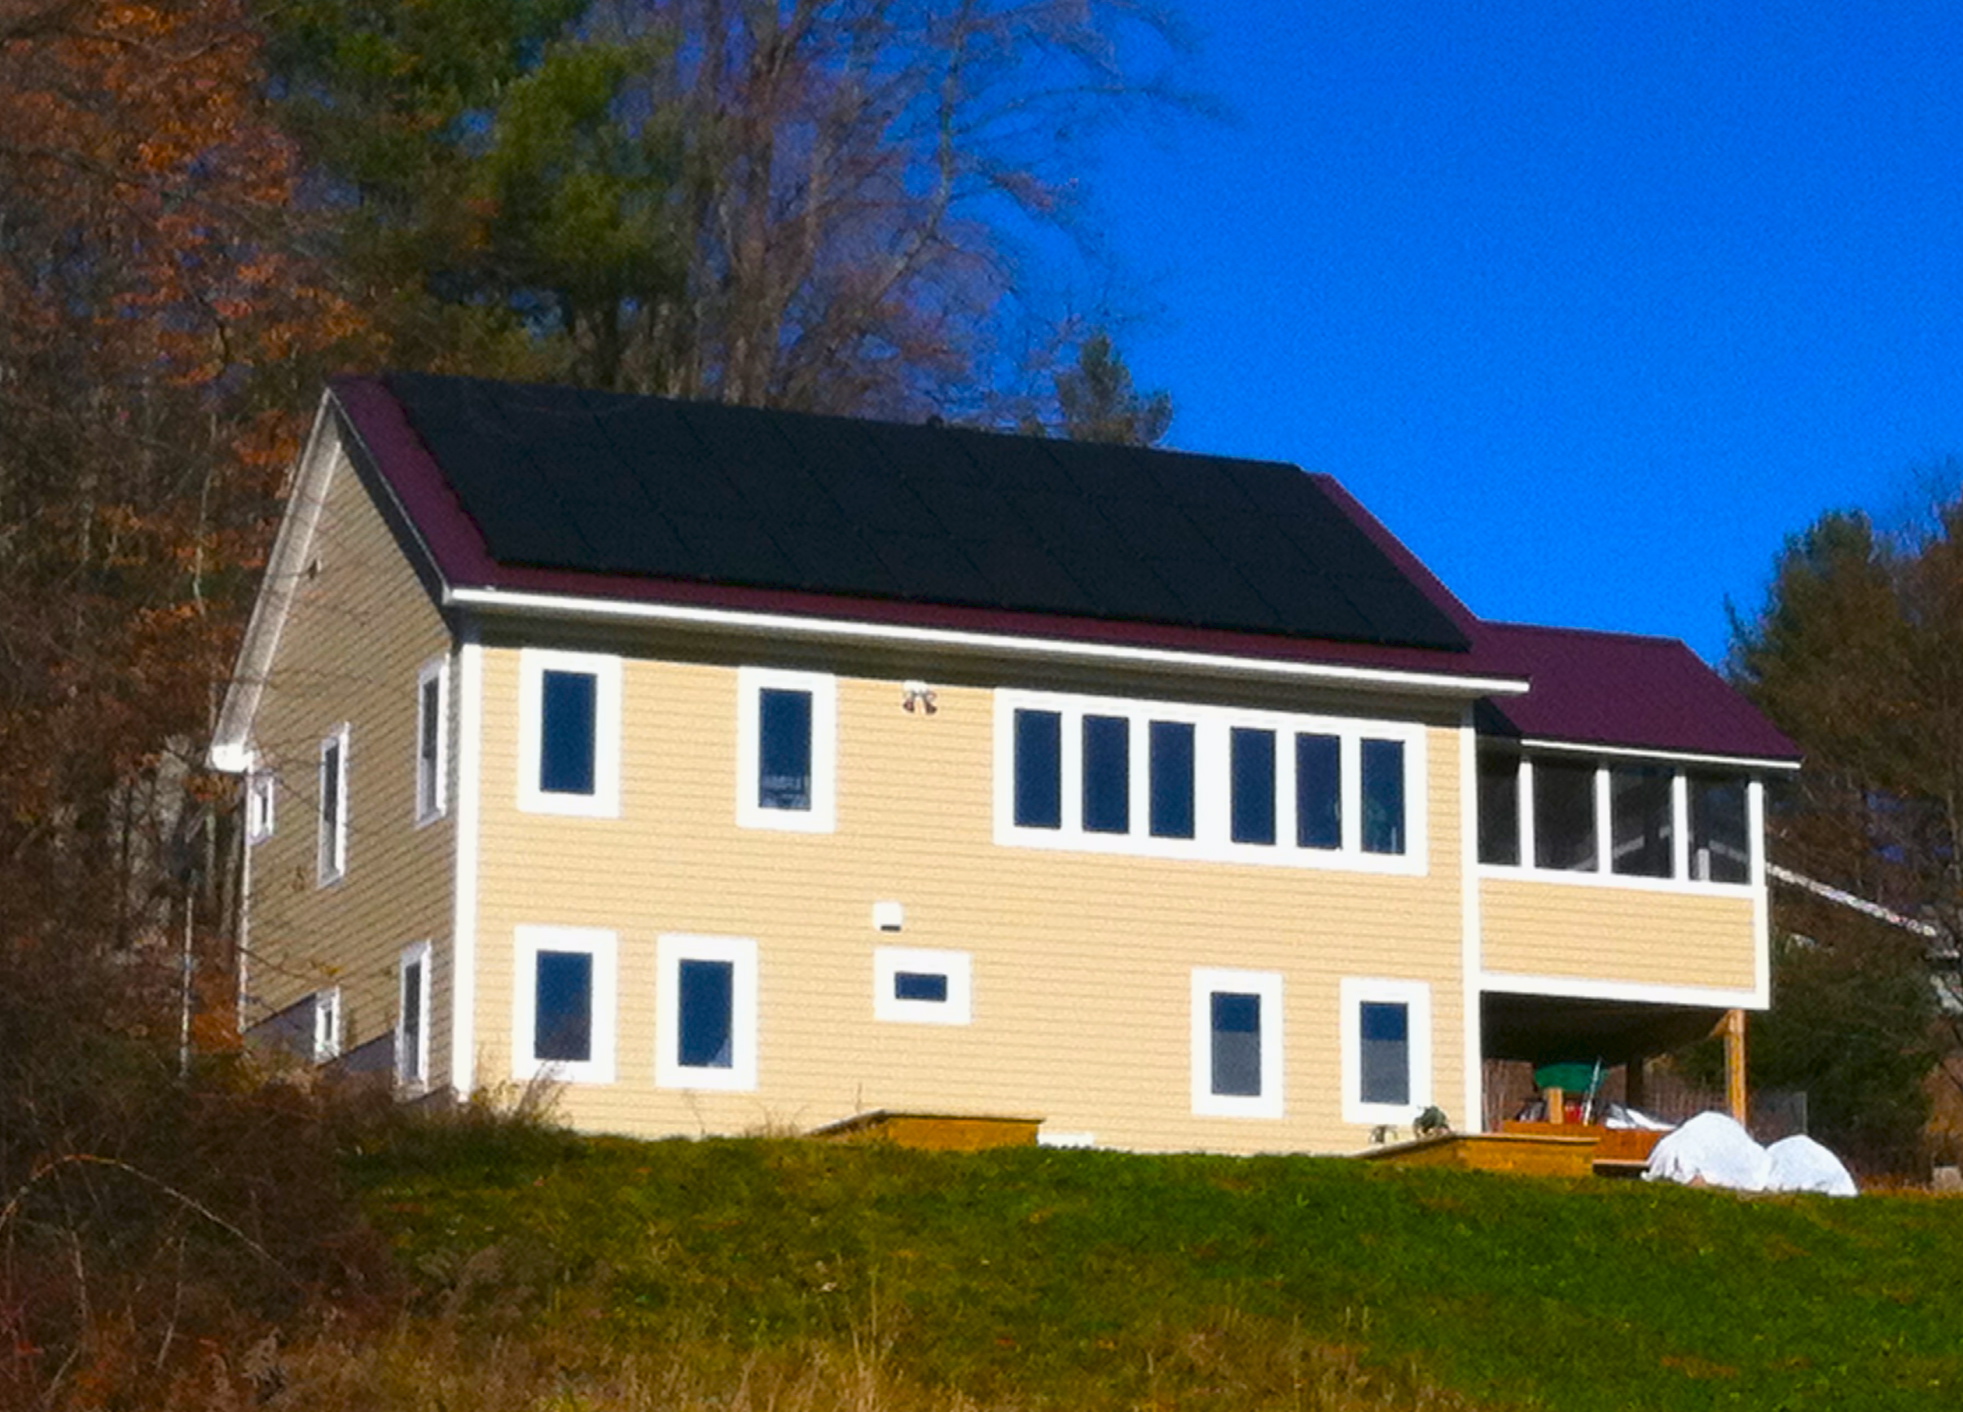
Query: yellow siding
(1082, 962)
(1602, 933)
(358, 632)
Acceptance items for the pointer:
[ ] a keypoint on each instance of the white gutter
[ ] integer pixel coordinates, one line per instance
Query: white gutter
(1682, 757)
(845, 629)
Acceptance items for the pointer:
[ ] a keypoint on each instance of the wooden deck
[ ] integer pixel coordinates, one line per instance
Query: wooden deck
(939, 1132)
(1528, 1149)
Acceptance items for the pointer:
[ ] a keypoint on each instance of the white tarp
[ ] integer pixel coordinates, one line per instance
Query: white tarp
(1801, 1164)
(1714, 1149)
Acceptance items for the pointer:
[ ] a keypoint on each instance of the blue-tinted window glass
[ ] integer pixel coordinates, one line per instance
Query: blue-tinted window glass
(1236, 1028)
(1386, 1053)
(1383, 796)
(1172, 779)
(1107, 774)
(919, 985)
(566, 732)
(784, 735)
(1039, 770)
(1318, 791)
(563, 1016)
(1253, 769)
(708, 1014)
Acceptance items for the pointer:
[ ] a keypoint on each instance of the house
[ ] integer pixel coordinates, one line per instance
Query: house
(742, 769)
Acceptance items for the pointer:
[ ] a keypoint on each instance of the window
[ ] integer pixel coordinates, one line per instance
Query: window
(1383, 796)
(1499, 805)
(412, 1017)
(1237, 1043)
(569, 733)
(260, 787)
(563, 1020)
(1386, 1037)
(1039, 770)
(1623, 821)
(920, 986)
(1720, 829)
(1642, 808)
(706, 1012)
(787, 740)
(1319, 791)
(1253, 768)
(1564, 816)
(432, 739)
(1180, 780)
(332, 846)
(327, 1025)
(1107, 774)
(1172, 779)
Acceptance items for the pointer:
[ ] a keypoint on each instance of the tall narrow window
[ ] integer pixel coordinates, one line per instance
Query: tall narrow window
(1318, 791)
(327, 1025)
(260, 788)
(569, 702)
(1172, 779)
(784, 730)
(332, 846)
(1039, 770)
(1237, 1043)
(1386, 1038)
(1107, 774)
(786, 742)
(569, 733)
(1564, 816)
(706, 1013)
(1499, 805)
(563, 1023)
(1253, 768)
(1720, 829)
(1641, 813)
(412, 1017)
(1385, 1030)
(432, 732)
(1383, 796)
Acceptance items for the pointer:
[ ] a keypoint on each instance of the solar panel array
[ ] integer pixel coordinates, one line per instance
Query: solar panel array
(565, 478)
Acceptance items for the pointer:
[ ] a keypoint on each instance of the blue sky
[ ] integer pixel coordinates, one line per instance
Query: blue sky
(1593, 304)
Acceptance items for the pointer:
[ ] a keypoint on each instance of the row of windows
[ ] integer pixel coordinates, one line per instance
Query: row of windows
(1193, 781)
(1560, 814)
(567, 996)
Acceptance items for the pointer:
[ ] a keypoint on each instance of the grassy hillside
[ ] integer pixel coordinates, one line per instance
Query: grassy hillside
(802, 1275)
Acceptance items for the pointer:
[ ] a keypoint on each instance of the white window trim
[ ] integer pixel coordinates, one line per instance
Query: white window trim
(261, 791)
(437, 790)
(603, 947)
(1212, 806)
(331, 853)
(604, 668)
(328, 1035)
(414, 1077)
(822, 816)
(1416, 996)
(673, 948)
(957, 966)
(1604, 874)
(1207, 980)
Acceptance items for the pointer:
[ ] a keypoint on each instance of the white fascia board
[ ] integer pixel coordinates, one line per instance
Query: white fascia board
(1681, 757)
(844, 629)
(231, 742)
(1576, 988)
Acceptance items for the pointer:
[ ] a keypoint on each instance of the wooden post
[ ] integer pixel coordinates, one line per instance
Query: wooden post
(1734, 1063)
(1557, 1106)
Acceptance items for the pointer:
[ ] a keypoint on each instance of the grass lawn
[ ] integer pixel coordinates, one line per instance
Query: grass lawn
(1091, 1279)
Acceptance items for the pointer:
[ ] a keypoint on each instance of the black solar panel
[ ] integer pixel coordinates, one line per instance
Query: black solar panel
(582, 480)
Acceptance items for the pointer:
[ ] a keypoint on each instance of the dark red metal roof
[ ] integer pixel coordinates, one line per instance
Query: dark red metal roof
(1586, 687)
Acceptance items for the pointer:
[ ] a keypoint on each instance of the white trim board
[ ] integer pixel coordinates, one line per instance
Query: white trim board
(1634, 752)
(1579, 988)
(778, 625)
